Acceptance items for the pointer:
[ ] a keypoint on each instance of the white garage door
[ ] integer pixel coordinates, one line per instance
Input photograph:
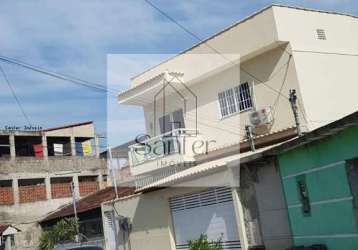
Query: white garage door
(210, 212)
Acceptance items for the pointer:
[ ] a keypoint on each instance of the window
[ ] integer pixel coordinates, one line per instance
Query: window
(236, 99)
(91, 227)
(171, 121)
(167, 124)
(352, 172)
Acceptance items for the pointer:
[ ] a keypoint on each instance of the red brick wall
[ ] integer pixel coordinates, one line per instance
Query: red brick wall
(87, 187)
(6, 196)
(32, 193)
(61, 190)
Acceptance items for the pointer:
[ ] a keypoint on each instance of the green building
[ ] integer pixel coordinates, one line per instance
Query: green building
(319, 174)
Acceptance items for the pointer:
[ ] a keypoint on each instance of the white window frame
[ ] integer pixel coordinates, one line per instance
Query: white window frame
(227, 108)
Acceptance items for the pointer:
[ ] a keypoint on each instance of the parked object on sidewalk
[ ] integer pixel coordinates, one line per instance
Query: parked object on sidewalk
(313, 247)
(297, 248)
(319, 247)
(78, 247)
(257, 248)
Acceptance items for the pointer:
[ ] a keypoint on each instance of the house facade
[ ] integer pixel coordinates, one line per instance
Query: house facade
(88, 213)
(37, 170)
(319, 178)
(201, 108)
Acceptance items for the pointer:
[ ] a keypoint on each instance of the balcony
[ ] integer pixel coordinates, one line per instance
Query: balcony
(51, 164)
(175, 148)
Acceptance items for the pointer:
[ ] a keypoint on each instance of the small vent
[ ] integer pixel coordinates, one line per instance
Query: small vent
(321, 34)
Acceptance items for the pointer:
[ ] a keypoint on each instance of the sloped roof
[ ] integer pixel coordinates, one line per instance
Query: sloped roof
(90, 202)
(206, 168)
(69, 126)
(318, 134)
(3, 228)
(244, 19)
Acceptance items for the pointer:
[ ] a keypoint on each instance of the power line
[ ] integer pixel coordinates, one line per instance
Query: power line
(282, 85)
(209, 122)
(177, 23)
(14, 95)
(218, 52)
(209, 46)
(57, 75)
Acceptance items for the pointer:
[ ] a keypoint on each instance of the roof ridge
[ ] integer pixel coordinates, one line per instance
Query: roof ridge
(242, 20)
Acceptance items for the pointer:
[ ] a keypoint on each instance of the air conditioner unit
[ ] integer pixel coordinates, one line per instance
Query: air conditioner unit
(261, 117)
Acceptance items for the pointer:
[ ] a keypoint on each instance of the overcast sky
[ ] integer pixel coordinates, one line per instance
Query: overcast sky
(75, 38)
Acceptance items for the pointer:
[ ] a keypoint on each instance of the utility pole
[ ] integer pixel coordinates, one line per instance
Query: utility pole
(77, 238)
(294, 107)
(249, 137)
(113, 174)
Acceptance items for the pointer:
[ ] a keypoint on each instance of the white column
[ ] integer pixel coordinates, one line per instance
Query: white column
(12, 146)
(100, 181)
(15, 190)
(48, 188)
(44, 147)
(240, 218)
(73, 146)
(96, 141)
(75, 182)
(8, 243)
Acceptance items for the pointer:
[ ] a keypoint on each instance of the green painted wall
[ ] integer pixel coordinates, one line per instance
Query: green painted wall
(321, 164)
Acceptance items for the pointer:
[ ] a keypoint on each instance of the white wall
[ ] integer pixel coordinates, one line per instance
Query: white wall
(326, 69)
(270, 68)
(252, 34)
(151, 219)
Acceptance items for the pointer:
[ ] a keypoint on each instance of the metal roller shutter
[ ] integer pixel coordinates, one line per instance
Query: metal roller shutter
(210, 212)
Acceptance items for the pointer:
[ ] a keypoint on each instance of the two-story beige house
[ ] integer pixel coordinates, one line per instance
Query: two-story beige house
(198, 106)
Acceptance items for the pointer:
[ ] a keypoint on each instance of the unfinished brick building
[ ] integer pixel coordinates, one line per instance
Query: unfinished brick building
(36, 172)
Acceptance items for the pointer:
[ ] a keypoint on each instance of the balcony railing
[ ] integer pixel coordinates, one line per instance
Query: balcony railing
(178, 141)
(51, 164)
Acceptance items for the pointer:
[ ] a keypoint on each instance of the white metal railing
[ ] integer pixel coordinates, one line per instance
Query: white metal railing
(169, 143)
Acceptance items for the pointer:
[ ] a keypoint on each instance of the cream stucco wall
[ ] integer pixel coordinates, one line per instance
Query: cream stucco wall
(326, 69)
(270, 68)
(150, 213)
(151, 219)
(86, 130)
(322, 71)
(259, 34)
(315, 69)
